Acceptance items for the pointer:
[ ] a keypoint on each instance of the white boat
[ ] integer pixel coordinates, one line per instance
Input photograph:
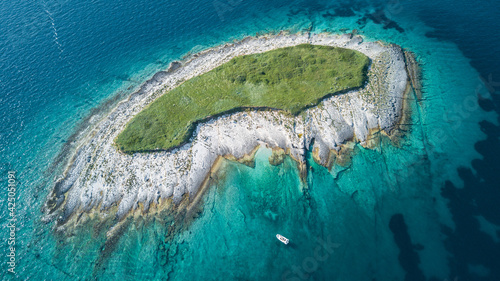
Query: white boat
(282, 239)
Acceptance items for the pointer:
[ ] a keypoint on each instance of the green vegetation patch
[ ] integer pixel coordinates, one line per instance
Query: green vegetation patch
(290, 79)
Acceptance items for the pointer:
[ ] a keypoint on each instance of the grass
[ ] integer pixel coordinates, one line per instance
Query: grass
(290, 79)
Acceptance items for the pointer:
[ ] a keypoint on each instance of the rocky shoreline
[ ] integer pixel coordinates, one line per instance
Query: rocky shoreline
(101, 179)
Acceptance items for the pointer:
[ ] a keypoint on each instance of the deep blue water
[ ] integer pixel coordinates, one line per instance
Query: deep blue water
(60, 59)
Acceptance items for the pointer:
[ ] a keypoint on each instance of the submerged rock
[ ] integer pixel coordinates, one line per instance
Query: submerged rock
(278, 157)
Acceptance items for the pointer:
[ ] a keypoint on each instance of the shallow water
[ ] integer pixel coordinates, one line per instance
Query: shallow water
(60, 59)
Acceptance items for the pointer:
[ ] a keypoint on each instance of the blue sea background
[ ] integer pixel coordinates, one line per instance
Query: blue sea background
(426, 209)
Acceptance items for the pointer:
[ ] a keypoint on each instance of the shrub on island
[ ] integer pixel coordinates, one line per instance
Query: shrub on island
(289, 79)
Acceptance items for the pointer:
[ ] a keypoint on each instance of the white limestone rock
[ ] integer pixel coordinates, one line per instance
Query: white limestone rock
(101, 175)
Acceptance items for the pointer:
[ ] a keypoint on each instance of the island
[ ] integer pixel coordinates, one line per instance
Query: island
(295, 93)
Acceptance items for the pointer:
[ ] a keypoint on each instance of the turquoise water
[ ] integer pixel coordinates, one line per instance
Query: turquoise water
(61, 59)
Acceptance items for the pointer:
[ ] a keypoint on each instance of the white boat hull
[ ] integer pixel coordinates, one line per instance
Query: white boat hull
(283, 239)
